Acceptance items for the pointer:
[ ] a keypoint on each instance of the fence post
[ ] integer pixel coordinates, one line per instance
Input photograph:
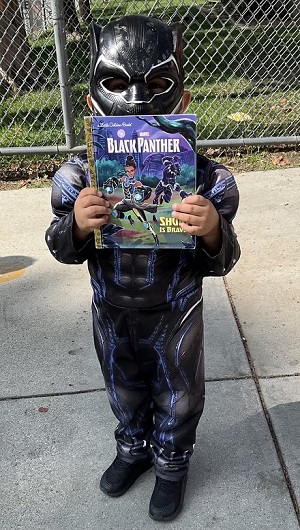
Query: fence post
(63, 71)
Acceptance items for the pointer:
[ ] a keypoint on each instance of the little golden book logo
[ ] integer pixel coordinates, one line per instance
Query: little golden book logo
(105, 123)
(142, 165)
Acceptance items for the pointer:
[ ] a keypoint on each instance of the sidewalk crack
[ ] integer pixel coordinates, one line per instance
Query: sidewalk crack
(52, 394)
(256, 379)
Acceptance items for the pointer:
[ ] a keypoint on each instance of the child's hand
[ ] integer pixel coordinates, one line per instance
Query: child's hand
(199, 217)
(91, 210)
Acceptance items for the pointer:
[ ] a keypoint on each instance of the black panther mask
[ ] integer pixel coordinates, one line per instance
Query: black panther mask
(136, 49)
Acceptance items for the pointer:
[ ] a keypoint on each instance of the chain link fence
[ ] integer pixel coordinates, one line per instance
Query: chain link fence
(241, 61)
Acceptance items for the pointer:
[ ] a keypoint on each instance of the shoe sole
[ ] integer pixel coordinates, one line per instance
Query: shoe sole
(127, 486)
(177, 512)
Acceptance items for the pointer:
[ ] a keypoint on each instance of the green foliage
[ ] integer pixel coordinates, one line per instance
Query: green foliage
(149, 180)
(107, 168)
(229, 69)
(186, 176)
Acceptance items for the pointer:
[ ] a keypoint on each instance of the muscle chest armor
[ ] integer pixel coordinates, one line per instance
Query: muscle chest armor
(143, 278)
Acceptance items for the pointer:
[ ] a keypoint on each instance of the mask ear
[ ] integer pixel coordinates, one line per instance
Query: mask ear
(89, 102)
(95, 34)
(186, 98)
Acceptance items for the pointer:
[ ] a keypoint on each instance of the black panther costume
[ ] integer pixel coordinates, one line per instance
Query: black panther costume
(147, 304)
(147, 316)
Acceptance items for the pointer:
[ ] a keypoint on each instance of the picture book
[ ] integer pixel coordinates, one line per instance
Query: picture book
(142, 165)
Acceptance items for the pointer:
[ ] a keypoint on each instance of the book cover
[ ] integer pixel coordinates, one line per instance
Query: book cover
(142, 164)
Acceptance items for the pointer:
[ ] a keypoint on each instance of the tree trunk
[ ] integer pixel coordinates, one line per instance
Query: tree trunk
(85, 11)
(16, 65)
(71, 18)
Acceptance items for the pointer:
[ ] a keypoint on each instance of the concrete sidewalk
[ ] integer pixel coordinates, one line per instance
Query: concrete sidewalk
(56, 428)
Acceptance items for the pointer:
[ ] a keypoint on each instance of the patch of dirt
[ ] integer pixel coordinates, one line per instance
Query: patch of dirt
(6, 185)
(39, 174)
(27, 173)
(244, 159)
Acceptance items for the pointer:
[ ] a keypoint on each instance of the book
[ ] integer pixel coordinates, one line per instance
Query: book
(142, 165)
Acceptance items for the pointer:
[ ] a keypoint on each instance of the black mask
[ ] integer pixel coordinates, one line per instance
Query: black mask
(136, 49)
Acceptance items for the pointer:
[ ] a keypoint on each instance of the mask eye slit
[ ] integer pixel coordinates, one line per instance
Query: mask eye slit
(114, 84)
(159, 85)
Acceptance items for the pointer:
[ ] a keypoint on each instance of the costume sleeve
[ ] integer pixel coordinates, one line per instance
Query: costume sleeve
(68, 181)
(219, 186)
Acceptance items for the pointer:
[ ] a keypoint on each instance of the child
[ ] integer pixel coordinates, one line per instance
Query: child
(147, 304)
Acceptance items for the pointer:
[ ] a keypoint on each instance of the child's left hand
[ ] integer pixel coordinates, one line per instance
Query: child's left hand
(199, 217)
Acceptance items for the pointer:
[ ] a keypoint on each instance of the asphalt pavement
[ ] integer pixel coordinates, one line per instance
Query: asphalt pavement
(56, 428)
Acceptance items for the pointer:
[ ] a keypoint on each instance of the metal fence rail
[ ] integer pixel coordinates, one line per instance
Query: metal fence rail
(241, 60)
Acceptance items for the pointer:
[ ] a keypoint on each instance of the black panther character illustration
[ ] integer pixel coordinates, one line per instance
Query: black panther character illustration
(135, 193)
(168, 184)
(183, 126)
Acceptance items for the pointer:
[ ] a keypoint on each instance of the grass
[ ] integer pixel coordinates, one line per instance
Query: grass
(229, 70)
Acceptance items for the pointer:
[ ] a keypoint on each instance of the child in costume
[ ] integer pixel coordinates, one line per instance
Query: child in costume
(147, 304)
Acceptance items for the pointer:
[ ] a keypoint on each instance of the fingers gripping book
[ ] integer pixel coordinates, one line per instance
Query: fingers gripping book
(142, 165)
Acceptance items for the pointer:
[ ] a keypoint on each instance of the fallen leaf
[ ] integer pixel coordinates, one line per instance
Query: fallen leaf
(280, 160)
(25, 182)
(43, 409)
(212, 151)
(239, 116)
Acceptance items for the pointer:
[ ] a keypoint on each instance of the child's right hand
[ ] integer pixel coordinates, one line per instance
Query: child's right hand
(91, 210)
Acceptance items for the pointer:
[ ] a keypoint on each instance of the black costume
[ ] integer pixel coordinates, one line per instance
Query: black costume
(147, 317)
(147, 304)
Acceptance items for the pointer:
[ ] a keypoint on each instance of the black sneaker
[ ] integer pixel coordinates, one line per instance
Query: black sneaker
(167, 499)
(120, 475)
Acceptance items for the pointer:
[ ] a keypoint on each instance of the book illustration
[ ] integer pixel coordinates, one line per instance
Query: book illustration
(142, 164)
(134, 196)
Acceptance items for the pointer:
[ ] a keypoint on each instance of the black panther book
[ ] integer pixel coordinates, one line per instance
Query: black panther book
(143, 165)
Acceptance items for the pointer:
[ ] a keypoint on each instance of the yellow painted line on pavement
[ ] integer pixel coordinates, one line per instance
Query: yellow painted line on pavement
(11, 270)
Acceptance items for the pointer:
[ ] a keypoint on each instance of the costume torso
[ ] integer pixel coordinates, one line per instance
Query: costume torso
(149, 278)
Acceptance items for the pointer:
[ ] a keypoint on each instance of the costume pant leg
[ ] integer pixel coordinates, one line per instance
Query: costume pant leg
(172, 360)
(128, 394)
(154, 356)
